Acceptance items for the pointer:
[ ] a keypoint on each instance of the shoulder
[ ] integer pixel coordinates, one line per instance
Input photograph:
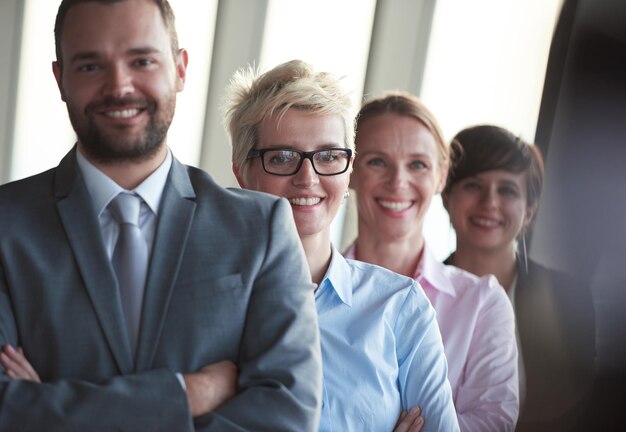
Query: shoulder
(363, 272)
(28, 198)
(379, 283)
(39, 184)
(543, 278)
(542, 286)
(231, 200)
(481, 289)
(247, 221)
(539, 271)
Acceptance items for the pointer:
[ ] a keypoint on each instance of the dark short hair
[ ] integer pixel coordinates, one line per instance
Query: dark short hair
(487, 148)
(166, 12)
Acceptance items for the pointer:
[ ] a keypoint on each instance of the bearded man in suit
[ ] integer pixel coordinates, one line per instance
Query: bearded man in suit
(223, 334)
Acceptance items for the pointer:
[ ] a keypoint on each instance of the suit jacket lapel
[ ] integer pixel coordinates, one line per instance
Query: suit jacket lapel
(85, 237)
(176, 213)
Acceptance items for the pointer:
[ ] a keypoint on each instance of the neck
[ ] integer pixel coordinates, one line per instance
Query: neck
(318, 253)
(480, 262)
(128, 173)
(398, 255)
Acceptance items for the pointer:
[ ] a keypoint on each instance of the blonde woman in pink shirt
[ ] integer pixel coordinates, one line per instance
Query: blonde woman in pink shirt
(402, 162)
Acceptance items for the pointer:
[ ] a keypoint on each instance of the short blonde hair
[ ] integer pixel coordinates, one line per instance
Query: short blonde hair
(252, 97)
(405, 104)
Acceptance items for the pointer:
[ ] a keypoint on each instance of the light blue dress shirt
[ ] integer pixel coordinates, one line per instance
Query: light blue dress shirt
(381, 350)
(103, 189)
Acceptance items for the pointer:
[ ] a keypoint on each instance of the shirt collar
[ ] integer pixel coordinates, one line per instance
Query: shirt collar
(338, 277)
(103, 189)
(429, 271)
(432, 272)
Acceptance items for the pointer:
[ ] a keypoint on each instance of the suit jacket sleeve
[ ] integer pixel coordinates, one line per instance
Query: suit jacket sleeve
(280, 382)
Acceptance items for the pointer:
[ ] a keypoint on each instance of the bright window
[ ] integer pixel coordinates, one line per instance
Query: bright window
(486, 64)
(331, 35)
(336, 42)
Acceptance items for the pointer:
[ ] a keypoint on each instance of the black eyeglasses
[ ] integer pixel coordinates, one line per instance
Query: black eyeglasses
(286, 161)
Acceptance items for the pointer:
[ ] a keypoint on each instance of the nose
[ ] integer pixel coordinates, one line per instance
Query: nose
(119, 82)
(306, 176)
(398, 177)
(489, 197)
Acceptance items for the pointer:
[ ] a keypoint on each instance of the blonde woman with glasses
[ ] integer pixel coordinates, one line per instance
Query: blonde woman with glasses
(292, 131)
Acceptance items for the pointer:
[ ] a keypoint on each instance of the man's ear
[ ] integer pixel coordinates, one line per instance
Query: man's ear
(182, 58)
(58, 76)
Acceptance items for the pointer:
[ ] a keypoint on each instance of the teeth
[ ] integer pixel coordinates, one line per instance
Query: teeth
(304, 201)
(395, 205)
(122, 114)
(489, 223)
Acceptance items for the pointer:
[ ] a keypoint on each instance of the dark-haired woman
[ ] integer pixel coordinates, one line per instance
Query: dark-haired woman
(492, 194)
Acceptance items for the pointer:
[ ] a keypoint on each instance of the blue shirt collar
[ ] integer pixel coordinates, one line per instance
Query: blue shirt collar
(429, 272)
(102, 189)
(337, 277)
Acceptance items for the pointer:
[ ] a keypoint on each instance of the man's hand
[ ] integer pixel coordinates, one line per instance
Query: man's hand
(15, 364)
(210, 387)
(410, 421)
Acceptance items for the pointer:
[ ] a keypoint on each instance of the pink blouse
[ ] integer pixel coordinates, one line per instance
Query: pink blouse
(477, 325)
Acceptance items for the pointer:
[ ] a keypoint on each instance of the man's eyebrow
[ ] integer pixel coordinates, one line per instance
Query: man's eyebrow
(94, 55)
(84, 55)
(143, 50)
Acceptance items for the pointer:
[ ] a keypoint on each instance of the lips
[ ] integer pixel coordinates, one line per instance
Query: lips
(122, 114)
(485, 222)
(125, 108)
(305, 201)
(396, 206)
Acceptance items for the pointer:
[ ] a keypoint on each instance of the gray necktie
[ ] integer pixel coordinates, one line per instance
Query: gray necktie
(130, 260)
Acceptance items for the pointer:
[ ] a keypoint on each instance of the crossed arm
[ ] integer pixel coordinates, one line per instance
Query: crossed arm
(206, 389)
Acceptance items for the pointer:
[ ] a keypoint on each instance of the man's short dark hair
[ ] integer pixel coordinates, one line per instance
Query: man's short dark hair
(164, 6)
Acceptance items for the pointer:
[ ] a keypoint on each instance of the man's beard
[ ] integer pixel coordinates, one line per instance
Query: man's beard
(111, 148)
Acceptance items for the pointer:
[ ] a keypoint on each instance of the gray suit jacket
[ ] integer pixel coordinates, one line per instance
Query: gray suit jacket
(227, 281)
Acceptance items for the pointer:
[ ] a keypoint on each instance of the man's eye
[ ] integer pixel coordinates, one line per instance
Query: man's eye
(88, 67)
(144, 62)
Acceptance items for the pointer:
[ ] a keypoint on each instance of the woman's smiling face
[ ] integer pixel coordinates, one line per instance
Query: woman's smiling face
(314, 199)
(489, 210)
(396, 173)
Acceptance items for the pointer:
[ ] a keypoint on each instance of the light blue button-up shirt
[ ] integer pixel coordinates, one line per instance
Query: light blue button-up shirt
(103, 189)
(381, 351)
